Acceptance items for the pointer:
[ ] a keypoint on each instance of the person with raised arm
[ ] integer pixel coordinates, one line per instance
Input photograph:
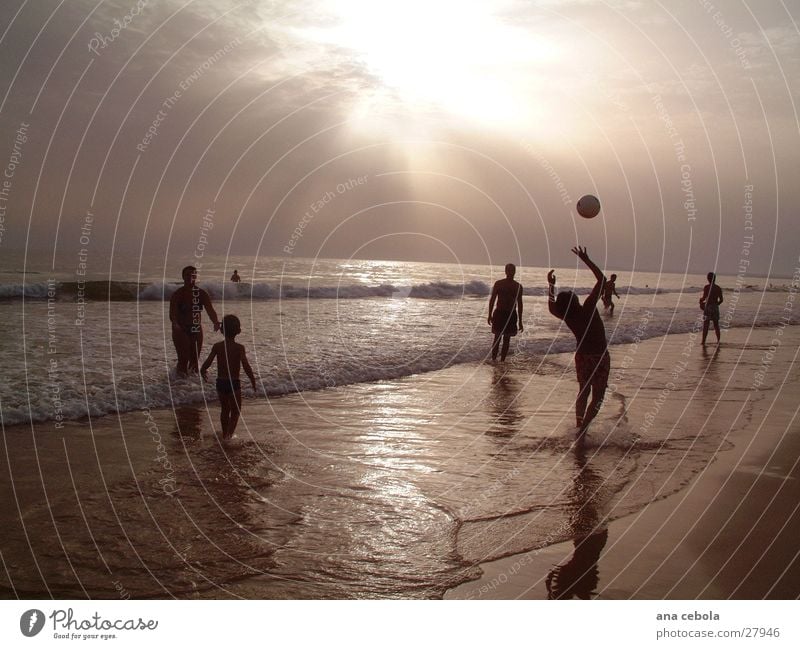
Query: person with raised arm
(592, 360)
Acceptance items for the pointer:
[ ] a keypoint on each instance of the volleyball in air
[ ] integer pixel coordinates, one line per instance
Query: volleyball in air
(588, 206)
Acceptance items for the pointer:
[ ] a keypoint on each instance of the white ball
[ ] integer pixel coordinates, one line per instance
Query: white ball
(588, 206)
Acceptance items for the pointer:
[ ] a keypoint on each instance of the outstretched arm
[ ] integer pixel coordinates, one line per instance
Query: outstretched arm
(591, 300)
(207, 364)
(584, 257)
(210, 310)
(248, 370)
(173, 312)
(551, 292)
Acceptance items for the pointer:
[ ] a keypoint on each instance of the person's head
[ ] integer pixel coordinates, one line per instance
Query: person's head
(235, 272)
(511, 270)
(711, 277)
(231, 327)
(189, 274)
(564, 302)
(613, 277)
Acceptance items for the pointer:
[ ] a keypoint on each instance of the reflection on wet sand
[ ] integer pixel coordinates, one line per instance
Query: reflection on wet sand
(578, 576)
(188, 420)
(503, 403)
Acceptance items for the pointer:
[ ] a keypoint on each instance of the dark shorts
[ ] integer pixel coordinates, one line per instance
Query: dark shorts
(593, 369)
(228, 386)
(711, 312)
(504, 323)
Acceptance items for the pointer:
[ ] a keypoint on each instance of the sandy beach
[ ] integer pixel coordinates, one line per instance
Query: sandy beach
(463, 481)
(731, 533)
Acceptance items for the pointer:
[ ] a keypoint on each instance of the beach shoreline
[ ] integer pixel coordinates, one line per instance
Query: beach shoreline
(731, 533)
(143, 483)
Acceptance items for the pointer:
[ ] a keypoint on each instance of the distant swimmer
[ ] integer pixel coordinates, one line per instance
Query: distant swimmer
(231, 359)
(592, 361)
(235, 277)
(506, 319)
(709, 303)
(610, 289)
(185, 310)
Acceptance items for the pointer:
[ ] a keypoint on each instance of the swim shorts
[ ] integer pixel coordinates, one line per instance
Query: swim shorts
(711, 312)
(593, 369)
(504, 323)
(228, 386)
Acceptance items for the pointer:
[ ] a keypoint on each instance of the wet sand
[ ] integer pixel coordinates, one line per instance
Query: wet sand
(406, 488)
(732, 533)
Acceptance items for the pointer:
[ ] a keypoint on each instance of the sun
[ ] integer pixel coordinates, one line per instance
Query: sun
(460, 57)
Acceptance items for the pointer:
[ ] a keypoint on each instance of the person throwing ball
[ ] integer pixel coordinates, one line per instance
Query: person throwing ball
(507, 293)
(592, 361)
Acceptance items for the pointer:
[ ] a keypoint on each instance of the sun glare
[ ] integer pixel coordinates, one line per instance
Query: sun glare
(457, 56)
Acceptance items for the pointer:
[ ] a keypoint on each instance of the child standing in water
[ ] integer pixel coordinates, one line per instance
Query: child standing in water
(231, 358)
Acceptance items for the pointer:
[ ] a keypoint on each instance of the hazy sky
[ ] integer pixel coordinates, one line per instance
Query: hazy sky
(443, 131)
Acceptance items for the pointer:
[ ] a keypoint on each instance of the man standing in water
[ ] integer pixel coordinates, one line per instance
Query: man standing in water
(592, 361)
(508, 295)
(712, 298)
(185, 310)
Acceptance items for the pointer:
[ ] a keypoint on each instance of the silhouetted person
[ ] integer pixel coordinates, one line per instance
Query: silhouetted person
(709, 303)
(610, 289)
(231, 358)
(507, 317)
(185, 310)
(592, 361)
(235, 277)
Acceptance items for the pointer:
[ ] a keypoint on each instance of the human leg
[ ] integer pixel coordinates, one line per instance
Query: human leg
(226, 406)
(495, 346)
(195, 347)
(705, 331)
(506, 343)
(181, 342)
(598, 383)
(236, 410)
(580, 402)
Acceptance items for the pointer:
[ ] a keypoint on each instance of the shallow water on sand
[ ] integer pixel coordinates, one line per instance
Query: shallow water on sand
(396, 488)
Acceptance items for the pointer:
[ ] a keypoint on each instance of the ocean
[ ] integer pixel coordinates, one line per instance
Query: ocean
(307, 325)
(381, 455)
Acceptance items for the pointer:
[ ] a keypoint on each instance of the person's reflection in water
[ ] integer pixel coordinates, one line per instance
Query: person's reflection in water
(578, 576)
(709, 356)
(187, 422)
(503, 403)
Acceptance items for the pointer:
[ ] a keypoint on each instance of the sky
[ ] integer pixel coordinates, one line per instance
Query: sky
(460, 132)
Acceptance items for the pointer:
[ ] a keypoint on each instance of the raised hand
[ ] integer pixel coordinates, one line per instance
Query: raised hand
(551, 278)
(581, 252)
